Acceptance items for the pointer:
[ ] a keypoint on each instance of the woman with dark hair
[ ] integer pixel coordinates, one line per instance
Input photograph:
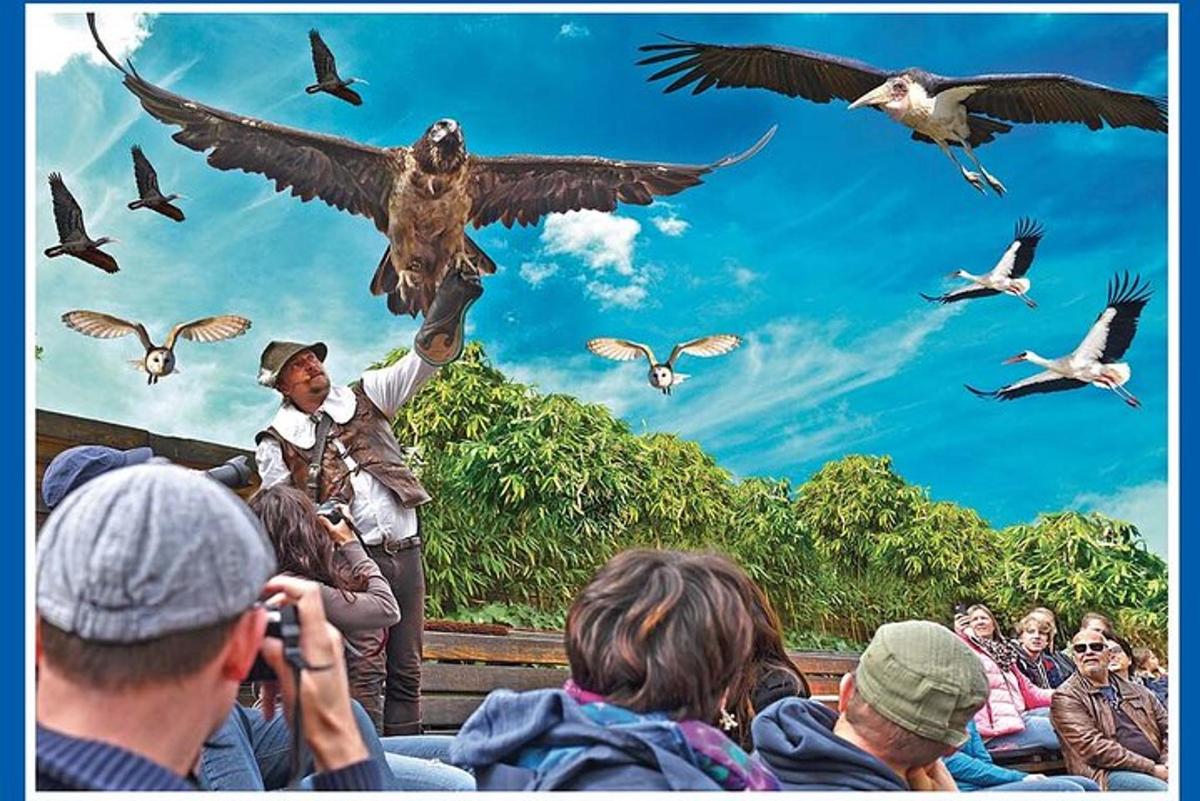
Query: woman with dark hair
(769, 675)
(1016, 711)
(358, 599)
(1150, 673)
(655, 642)
(359, 602)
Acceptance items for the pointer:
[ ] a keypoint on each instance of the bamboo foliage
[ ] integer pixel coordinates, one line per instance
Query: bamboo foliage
(533, 492)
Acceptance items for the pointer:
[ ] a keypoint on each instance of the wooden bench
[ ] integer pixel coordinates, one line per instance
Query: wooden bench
(459, 670)
(56, 432)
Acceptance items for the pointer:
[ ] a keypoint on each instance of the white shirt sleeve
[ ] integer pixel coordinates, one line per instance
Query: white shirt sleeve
(391, 387)
(271, 467)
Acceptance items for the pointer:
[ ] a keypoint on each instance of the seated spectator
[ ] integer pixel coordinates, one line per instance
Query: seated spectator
(358, 599)
(1148, 671)
(655, 641)
(1066, 665)
(1013, 715)
(1113, 731)
(973, 769)
(147, 620)
(1034, 638)
(904, 707)
(1120, 657)
(769, 675)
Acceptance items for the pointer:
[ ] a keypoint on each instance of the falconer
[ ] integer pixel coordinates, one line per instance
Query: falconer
(336, 443)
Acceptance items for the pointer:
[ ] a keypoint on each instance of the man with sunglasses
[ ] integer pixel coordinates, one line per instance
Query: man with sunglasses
(1112, 730)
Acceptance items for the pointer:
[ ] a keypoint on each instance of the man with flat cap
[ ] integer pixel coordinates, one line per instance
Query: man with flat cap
(336, 443)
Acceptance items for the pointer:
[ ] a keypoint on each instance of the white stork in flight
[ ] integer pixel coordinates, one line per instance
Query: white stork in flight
(1095, 360)
(1007, 276)
(949, 112)
(662, 374)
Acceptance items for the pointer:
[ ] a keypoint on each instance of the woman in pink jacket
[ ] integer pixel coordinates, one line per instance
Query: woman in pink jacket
(1016, 713)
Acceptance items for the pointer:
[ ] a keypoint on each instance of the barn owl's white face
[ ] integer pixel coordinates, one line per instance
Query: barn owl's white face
(660, 376)
(160, 362)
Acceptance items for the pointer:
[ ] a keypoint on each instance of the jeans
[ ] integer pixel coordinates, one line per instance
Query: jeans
(249, 752)
(421, 763)
(1038, 733)
(1129, 780)
(1050, 784)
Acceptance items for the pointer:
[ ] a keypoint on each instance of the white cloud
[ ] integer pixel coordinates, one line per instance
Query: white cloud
(600, 239)
(573, 30)
(1144, 505)
(671, 225)
(537, 272)
(743, 276)
(629, 296)
(54, 39)
(792, 367)
(614, 387)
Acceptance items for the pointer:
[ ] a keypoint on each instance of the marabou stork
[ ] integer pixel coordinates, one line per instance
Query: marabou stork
(158, 361)
(1095, 360)
(328, 79)
(1008, 276)
(149, 196)
(73, 239)
(421, 197)
(662, 374)
(940, 110)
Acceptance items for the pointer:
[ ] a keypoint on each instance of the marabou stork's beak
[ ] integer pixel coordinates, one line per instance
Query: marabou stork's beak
(1020, 357)
(876, 97)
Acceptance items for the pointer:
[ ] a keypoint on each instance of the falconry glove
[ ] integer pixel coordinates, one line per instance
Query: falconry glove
(441, 337)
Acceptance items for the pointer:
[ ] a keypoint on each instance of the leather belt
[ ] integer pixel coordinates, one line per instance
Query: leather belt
(393, 547)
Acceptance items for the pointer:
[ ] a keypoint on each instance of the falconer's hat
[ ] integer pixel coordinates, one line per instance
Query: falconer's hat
(276, 354)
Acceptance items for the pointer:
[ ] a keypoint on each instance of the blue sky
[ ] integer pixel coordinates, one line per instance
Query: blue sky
(814, 250)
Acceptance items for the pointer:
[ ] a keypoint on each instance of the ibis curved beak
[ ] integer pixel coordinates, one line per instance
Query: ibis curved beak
(1020, 357)
(876, 97)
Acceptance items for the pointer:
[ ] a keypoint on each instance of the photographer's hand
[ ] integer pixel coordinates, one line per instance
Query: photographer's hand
(340, 533)
(324, 693)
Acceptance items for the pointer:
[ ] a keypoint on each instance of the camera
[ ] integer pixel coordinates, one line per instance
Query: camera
(330, 511)
(282, 624)
(234, 473)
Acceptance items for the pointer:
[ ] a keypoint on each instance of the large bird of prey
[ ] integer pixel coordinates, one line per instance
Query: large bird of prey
(1095, 361)
(422, 197)
(1008, 276)
(950, 112)
(158, 361)
(662, 375)
(328, 79)
(73, 239)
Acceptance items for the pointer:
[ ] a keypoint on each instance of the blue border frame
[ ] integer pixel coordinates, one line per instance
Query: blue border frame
(16, 350)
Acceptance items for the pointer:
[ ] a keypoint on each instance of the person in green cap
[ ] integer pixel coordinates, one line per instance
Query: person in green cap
(905, 707)
(336, 444)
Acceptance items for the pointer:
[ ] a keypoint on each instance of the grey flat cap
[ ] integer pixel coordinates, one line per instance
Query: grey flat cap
(147, 551)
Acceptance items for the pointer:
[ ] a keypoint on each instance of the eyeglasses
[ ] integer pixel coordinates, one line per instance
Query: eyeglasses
(1084, 647)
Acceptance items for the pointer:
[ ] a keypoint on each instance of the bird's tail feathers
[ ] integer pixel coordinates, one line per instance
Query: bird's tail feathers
(1021, 285)
(679, 378)
(138, 364)
(481, 261)
(385, 278)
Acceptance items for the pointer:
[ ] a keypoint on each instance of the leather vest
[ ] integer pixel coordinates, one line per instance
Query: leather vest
(368, 440)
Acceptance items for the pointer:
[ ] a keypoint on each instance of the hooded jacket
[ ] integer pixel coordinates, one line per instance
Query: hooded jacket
(542, 740)
(795, 738)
